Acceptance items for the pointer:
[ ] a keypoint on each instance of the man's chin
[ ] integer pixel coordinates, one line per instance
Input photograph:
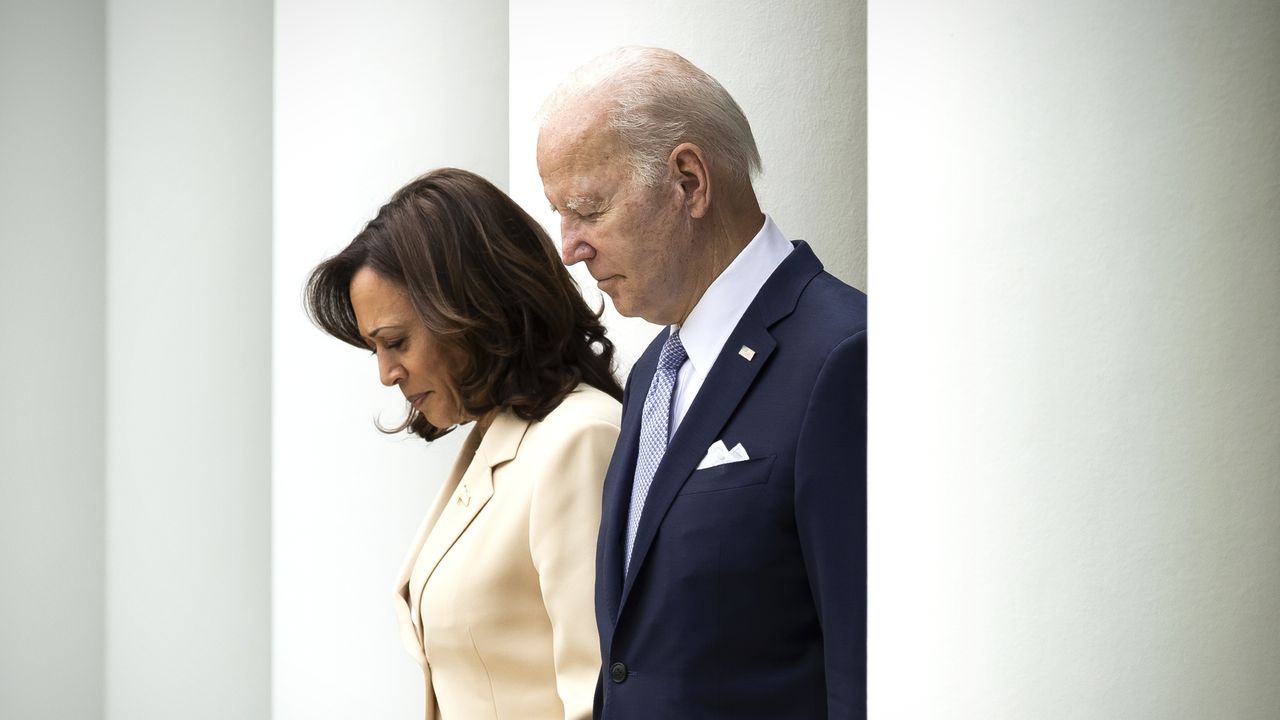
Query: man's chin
(617, 299)
(626, 306)
(623, 306)
(630, 312)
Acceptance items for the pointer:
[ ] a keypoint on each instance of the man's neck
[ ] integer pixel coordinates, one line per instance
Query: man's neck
(724, 241)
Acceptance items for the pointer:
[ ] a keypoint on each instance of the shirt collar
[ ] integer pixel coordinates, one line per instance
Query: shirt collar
(717, 313)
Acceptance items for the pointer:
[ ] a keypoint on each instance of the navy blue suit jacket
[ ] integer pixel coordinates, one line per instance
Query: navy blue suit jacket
(746, 594)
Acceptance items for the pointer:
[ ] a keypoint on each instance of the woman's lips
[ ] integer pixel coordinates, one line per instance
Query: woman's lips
(416, 400)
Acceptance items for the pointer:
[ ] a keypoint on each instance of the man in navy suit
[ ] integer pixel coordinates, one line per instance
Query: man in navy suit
(731, 563)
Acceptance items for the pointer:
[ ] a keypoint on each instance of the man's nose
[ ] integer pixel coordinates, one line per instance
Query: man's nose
(573, 248)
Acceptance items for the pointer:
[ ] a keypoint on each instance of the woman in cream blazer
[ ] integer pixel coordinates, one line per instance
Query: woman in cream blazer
(463, 299)
(498, 584)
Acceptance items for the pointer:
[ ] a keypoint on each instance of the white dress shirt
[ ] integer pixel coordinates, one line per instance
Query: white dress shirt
(717, 313)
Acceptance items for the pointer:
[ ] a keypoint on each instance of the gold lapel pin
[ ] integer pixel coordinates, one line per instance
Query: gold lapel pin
(464, 496)
(747, 353)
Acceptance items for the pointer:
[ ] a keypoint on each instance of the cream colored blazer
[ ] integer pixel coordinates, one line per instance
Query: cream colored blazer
(496, 595)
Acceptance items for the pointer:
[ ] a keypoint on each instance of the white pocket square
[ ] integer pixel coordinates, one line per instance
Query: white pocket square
(718, 454)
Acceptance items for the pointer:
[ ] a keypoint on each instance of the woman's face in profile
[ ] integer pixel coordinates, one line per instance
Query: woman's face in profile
(409, 356)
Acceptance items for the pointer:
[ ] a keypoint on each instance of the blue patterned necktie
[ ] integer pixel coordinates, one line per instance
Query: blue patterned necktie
(654, 426)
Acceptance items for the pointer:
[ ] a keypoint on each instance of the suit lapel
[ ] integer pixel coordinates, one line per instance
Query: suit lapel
(728, 381)
(617, 486)
(472, 493)
(711, 409)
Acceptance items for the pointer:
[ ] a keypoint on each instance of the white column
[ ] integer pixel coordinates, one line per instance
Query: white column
(798, 69)
(51, 359)
(1075, 404)
(367, 96)
(188, 360)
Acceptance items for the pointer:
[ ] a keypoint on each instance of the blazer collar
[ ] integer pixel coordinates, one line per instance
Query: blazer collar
(498, 445)
(727, 383)
(502, 440)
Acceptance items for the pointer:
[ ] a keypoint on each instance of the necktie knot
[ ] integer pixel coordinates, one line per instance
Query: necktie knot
(673, 354)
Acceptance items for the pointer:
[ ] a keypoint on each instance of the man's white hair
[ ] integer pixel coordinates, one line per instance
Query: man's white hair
(655, 100)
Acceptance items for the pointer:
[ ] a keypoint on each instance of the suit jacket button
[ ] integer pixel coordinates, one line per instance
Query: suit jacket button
(618, 672)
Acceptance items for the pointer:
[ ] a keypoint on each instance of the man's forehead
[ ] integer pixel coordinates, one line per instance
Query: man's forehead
(576, 164)
(582, 180)
(580, 121)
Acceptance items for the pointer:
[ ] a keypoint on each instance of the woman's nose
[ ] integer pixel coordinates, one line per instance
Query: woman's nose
(389, 371)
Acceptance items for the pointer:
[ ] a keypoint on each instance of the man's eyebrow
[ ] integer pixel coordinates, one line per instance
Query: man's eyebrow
(581, 202)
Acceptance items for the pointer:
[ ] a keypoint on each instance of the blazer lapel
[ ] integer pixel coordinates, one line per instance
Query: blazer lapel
(726, 384)
(456, 510)
(412, 633)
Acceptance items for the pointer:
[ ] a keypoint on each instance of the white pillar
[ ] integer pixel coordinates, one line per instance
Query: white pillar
(1075, 471)
(51, 359)
(368, 96)
(188, 360)
(798, 69)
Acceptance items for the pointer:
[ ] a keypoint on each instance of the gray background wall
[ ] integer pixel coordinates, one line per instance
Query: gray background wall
(188, 359)
(1075, 472)
(134, 452)
(52, 389)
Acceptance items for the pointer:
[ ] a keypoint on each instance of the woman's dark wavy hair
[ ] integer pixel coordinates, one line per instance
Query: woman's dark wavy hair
(486, 279)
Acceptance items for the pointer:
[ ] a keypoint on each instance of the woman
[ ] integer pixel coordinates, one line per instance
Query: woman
(463, 299)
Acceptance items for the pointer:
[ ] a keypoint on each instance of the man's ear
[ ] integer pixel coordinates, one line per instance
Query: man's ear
(693, 177)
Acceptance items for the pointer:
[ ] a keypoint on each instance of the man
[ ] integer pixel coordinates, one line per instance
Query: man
(731, 562)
